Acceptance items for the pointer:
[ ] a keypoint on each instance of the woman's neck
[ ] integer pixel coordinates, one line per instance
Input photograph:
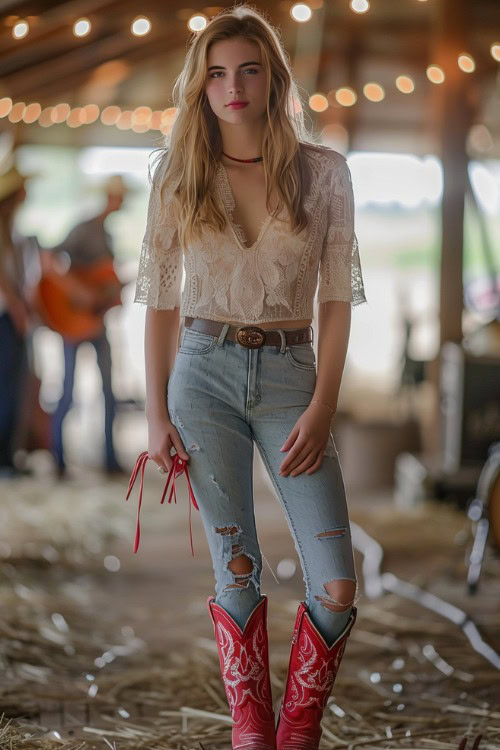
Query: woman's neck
(242, 142)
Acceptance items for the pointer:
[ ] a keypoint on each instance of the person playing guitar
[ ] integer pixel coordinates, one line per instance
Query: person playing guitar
(73, 300)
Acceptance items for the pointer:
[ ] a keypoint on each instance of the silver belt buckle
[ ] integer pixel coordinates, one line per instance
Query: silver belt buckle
(251, 336)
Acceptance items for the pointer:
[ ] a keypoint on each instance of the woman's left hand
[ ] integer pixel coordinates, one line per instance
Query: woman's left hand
(307, 441)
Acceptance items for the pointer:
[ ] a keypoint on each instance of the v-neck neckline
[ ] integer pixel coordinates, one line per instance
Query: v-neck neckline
(229, 204)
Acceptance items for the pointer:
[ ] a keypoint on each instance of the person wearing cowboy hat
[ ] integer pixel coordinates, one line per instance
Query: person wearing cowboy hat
(87, 243)
(18, 256)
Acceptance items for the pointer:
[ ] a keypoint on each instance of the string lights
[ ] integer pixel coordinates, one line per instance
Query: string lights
(143, 118)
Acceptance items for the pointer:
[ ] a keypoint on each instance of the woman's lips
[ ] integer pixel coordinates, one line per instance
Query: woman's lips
(238, 105)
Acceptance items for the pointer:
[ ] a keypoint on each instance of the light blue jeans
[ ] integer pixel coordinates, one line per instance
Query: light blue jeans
(222, 397)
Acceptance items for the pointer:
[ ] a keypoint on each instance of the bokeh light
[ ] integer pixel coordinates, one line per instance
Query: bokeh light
(360, 6)
(141, 26)
(20, 29)
(346, 96)
(373, 91)
(405, 84)
(82, 27)
(197, 23)
(435, 74)
(301, 12)
(466, 63)
(318, 102)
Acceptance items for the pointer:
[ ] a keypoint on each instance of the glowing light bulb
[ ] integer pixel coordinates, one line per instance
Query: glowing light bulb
(81, 27)
(360, 6)
(141, 26)
(466, 63)
(20, 29)
(435, 74)
(197, 22)
(318, 102)
(405, 84)
(301, 12)
(346, 96)
(374, 92)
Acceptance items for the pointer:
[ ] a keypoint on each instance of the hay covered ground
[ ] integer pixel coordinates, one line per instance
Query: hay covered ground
(103, 648)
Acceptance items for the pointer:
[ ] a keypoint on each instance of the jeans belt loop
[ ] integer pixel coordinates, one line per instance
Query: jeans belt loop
(222, 334)
(283, 340)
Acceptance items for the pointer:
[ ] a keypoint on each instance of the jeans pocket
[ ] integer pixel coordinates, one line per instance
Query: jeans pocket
(196, 342)
(302, 356)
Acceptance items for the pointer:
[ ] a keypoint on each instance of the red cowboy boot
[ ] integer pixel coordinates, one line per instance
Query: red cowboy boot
(311, 673)
(244, 664)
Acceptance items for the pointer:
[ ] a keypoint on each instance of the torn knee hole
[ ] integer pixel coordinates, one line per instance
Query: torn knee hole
(240, 565)
(242, 568)
(343, 588)
(243, 584)
(226, 530)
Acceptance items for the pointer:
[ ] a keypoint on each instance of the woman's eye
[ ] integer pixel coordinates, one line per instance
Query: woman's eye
(247, 70)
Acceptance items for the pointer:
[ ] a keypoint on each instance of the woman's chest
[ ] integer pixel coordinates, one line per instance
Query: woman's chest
(244, 197)
(252, 231)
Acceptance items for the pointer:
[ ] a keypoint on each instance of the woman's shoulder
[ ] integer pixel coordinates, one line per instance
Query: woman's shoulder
(321, 152)
(321, 162)
(321, 159)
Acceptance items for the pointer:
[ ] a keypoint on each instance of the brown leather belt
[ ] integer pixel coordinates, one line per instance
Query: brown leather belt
(252, 337)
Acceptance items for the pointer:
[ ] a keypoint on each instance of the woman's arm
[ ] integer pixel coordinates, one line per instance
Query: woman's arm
(159, 287)
(334, 321)
(307, 441)
(340, 284)
(160, 349)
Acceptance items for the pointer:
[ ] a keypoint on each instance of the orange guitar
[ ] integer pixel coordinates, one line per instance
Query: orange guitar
(73, 302)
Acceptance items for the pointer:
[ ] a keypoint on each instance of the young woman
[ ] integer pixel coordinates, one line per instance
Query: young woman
(257, 212)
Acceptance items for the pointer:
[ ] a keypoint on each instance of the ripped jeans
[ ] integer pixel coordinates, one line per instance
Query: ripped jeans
(222, 398)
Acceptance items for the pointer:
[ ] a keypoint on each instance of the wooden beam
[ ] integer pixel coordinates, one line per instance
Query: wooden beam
(454, 118)
(26, 87)
(51, 20)
(82, 61)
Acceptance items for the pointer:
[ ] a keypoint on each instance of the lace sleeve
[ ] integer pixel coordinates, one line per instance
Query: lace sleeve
(159, 276)
(340, 276)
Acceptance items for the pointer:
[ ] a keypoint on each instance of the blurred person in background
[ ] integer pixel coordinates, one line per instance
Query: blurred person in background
(19, 271)
(88, 251)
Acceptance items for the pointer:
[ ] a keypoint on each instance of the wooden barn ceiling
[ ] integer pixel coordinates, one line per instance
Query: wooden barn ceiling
(336, 48)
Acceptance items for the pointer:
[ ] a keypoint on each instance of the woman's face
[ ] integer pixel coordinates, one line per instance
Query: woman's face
(235, 72)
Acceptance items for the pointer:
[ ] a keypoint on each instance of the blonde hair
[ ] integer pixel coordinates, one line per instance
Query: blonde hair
(194, 142)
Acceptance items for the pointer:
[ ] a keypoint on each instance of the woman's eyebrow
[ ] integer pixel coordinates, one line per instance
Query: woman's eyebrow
(241, 65)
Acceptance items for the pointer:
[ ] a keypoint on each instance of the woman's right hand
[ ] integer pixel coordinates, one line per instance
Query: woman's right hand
(162, 436)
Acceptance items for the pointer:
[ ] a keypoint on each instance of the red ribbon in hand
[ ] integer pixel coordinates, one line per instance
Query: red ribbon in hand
(178, 466)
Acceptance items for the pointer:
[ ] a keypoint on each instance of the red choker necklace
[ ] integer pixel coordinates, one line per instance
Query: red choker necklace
(257, 158)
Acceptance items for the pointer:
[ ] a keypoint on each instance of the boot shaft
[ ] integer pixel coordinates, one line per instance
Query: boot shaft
(312, 670)
(244, 665)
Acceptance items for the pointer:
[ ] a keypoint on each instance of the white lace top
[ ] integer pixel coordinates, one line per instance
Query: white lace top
(278, 276)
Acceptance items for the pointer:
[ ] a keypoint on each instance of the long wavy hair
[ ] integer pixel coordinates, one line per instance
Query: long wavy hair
(194, 142)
